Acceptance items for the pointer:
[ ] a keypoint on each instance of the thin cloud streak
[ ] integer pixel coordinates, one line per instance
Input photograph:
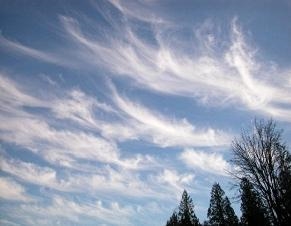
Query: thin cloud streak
(66, 148)
(138, 11)
(8, 45)
(69, 149)
(167, 132)
(11, 190)
(106, 179)
(77, 135)
(137, 122)
(73, 211)
(209, 162)
(174, 180)
(35, 133)
(233, 77)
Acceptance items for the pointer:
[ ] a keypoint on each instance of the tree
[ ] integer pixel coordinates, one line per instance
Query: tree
(220, 212)
(262, 158)
(173, 221)
(285, 187)
(206, 223)
(253, 211)
(230, 217)
(186, 213)
(215, 210)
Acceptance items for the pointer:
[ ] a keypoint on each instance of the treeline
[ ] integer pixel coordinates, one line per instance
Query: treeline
(262, 173)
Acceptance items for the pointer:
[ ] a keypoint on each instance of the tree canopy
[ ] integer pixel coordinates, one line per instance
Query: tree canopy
(253, 211)
(220, 212)
(262, 158)
(261, 166)
(186, 215)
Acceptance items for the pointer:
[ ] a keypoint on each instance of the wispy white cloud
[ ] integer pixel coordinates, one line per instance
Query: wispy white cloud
(77, 151)
(174, 180)
(32, 173)
(83, 153)
(34, 132)
(233, 76)
(73, 211)
(79, 140)
(48, 79)
(160, 184)
(8, 223)
(137, 122)
(230, 75)
(104, 179)
(13, 97)
(79, 107)
(61, 145)
(165, 131)
(16, 47)
(128, 183)
(139, 11)
(11, 190)
(209, 162)
(38, 136)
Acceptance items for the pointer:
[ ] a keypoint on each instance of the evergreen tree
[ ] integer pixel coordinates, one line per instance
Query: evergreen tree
(206, 223)
(220, 212)
(173, 221)
(186, 213)
(229, 214)
(215, 212)
(253, 211)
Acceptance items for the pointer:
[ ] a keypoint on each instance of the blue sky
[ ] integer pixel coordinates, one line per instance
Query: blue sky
(109, 109)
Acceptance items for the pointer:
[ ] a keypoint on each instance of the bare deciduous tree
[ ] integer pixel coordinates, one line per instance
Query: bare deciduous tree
(260, 156)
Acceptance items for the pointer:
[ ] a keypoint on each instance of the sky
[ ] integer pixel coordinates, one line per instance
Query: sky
(110, 109)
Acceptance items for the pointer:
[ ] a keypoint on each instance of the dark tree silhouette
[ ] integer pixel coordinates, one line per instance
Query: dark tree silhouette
(173, 221)
(285, 187)
(215, 210)
(230, 216)
(253, 211)
(206, 223)
(186, 213)
(262, 158)
(220, 212)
